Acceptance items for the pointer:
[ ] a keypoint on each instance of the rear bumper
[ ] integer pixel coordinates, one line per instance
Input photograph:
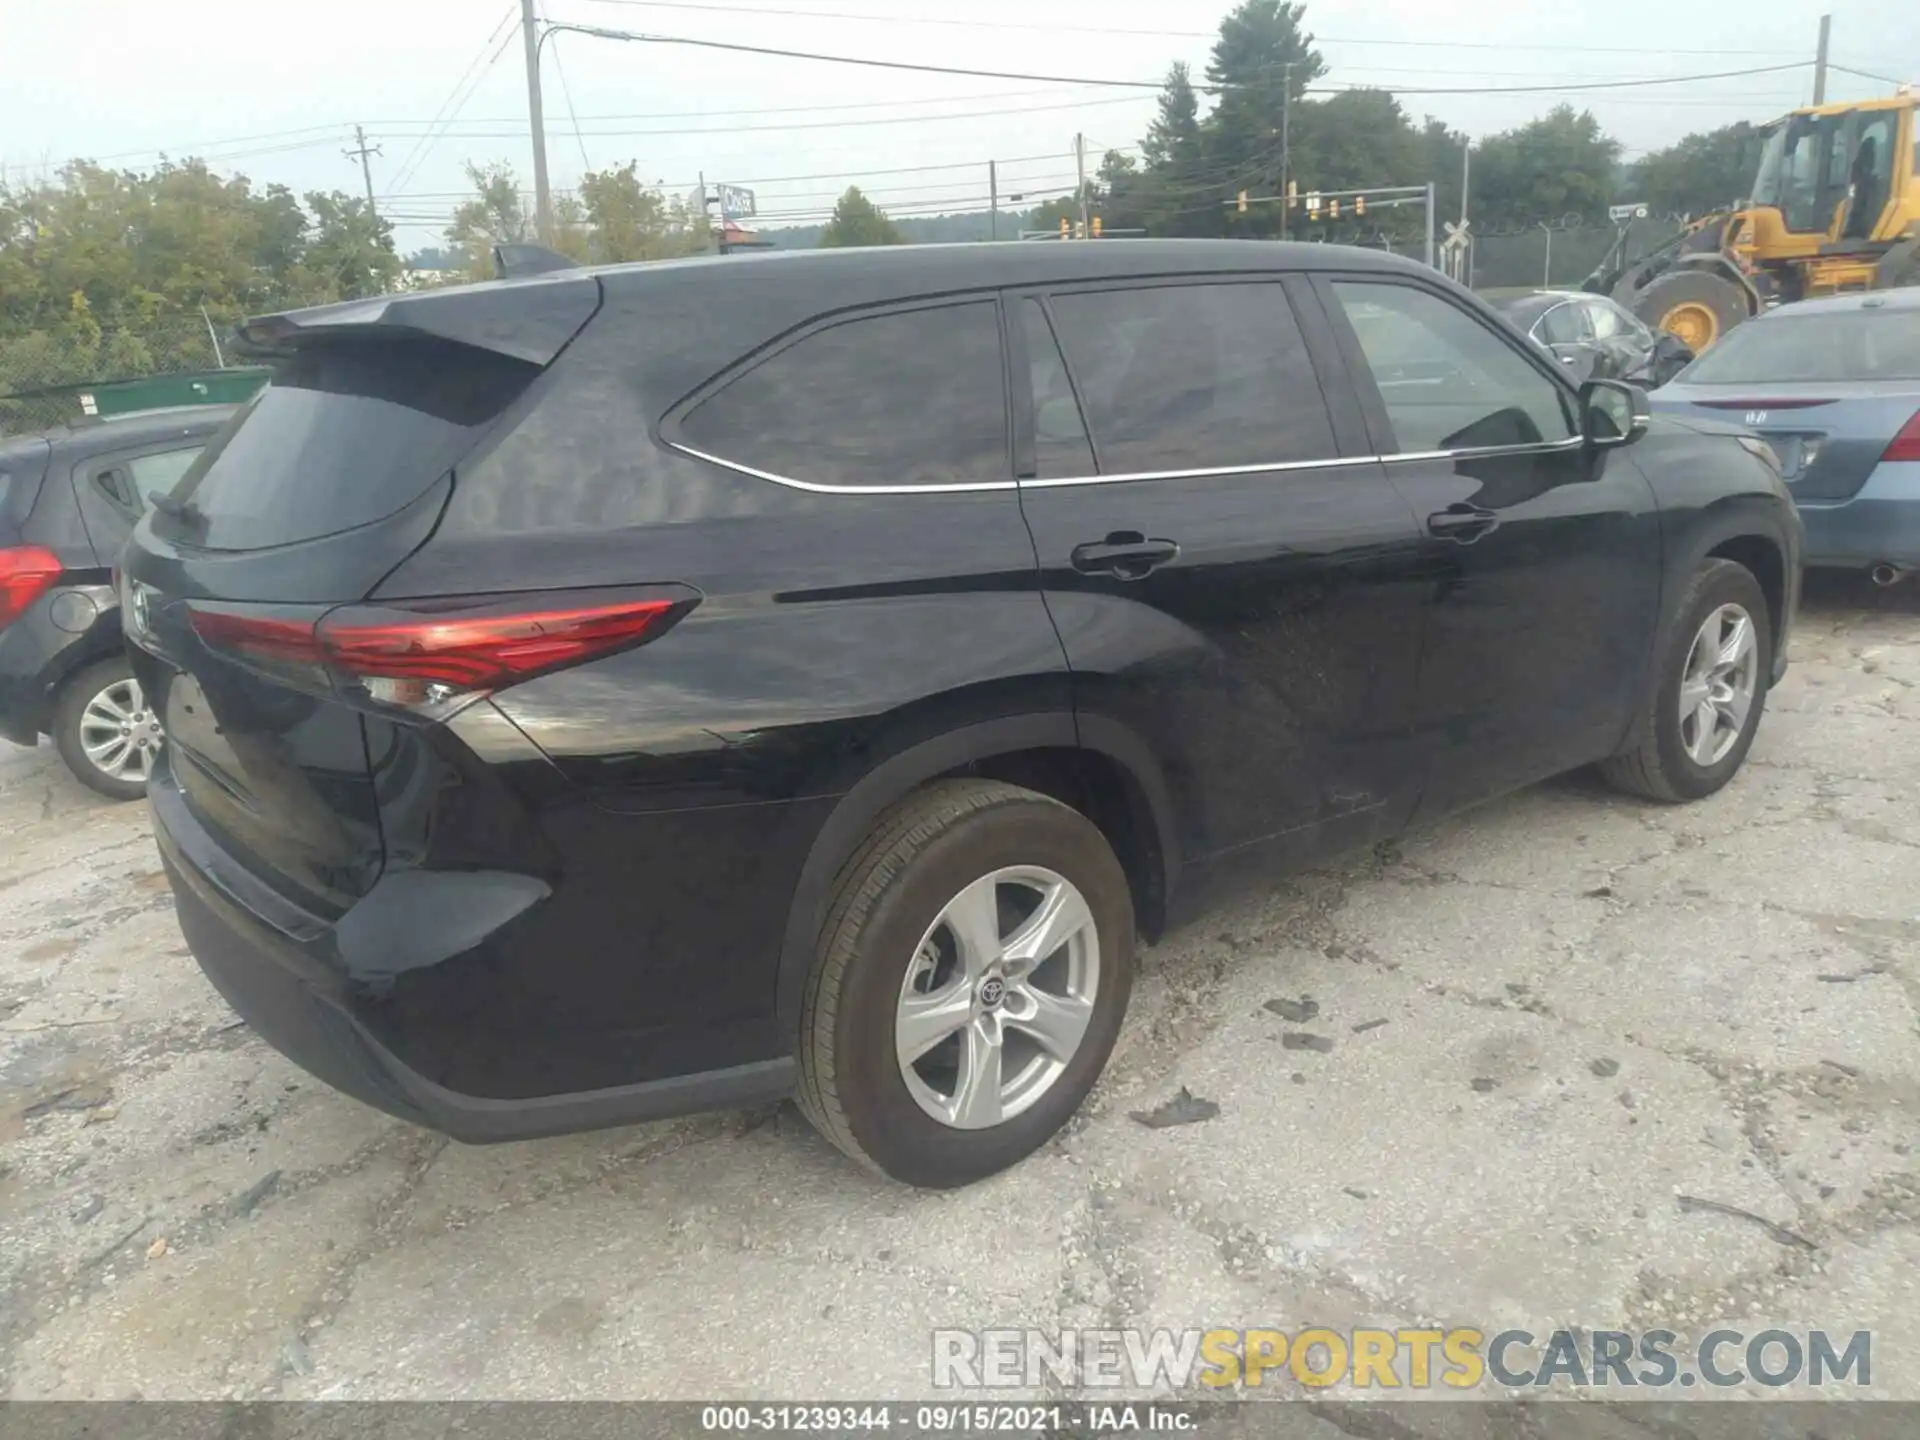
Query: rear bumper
(291, 997)
(1880, 523)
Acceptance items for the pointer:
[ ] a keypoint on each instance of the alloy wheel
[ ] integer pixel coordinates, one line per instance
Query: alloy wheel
(119, 734)
(1718, 685)
(998, 997)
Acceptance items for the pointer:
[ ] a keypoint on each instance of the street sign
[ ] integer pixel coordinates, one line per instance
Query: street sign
(1621, 213)
(736, 201)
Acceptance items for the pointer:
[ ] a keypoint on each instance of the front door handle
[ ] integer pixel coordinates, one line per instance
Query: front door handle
(1463, 523)
(1125, 553)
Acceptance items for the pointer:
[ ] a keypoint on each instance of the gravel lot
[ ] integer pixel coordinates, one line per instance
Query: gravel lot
(1591, 1005)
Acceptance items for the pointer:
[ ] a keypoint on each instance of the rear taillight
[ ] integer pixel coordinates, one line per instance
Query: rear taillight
(434, 655)
(26, 573)
(1906, 445)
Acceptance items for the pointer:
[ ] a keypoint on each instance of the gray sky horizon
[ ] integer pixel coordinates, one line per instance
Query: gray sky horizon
(240, 85)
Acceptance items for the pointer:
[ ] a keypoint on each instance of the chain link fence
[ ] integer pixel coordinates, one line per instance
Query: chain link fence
(1558, 254)
(46, 376)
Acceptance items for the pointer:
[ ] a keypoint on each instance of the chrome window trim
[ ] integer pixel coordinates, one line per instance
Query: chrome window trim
(968, 487)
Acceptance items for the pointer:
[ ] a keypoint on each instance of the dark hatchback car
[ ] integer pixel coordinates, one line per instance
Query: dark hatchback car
(615, 693)
(68, 500)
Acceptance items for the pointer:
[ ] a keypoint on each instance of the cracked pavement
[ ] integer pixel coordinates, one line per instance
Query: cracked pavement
(1548, 1018)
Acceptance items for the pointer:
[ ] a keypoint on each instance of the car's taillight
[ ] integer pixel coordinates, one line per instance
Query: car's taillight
(1906, 445)
(26, 573)
(434, 655)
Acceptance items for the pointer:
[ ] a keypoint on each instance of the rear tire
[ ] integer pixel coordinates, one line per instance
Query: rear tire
(1684, 753)
(897, 951)
(1681, 302)
(87, 730)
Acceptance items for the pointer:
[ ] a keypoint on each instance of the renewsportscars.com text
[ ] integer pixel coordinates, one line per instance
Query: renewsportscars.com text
(1404, 1359)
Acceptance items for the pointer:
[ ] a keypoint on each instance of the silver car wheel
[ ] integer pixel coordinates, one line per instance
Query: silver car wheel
(1718, 686)
(998, 997)
(118, 733)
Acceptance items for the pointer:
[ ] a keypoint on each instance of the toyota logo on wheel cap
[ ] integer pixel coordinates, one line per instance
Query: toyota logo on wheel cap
(992, 991)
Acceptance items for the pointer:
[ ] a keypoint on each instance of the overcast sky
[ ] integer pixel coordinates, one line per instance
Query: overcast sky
(272, 90)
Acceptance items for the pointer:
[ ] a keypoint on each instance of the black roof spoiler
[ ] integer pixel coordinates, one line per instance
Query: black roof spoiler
(529, 319)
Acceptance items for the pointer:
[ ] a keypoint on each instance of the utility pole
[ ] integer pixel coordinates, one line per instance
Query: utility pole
(1286, 135)
(361, 153)
(1466, 174)
(1430, 226)
(542, 196)
(1820, 62)
(1080, 164)
(993, 200)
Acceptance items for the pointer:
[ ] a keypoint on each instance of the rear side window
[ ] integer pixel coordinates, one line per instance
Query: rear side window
(911, 397)
(1447, 381)
(346, 434)
(1193, 377)
(1564, 324)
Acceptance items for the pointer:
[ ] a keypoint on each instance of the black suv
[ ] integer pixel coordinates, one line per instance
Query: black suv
(614, 693)
(68, 498)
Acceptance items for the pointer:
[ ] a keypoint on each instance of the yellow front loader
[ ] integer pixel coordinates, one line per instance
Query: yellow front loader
(1834, 205)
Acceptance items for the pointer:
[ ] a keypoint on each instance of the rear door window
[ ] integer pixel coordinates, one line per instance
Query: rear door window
(906, 397)
(1565, 324)
(347, 433)
(1193, 377)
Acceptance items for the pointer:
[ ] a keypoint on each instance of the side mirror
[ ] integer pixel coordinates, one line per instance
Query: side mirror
(1613, 412)
(1671, 355)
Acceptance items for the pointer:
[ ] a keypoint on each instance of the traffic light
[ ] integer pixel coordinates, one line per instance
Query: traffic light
(1359, 204)
(1243, 202)
(1066, 228)
(1096, 227)
(1333, 209)
(1293, 194)
(1313, 204)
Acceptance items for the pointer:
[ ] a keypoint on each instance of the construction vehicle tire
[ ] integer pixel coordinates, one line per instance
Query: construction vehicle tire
(1696, 306)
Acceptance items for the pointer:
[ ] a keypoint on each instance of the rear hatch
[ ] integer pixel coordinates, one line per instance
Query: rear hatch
(1828, 437)
(240, 588)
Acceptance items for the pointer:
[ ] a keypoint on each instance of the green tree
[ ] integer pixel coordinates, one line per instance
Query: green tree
(495, 215)
(858, 221)
(1559, 164)
(634, 221)
(1700, 173)
(1173, 142)
(1262, 63)
(350, 253)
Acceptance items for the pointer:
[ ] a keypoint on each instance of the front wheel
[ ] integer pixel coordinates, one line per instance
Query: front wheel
(970, 982)
(104, 730)
(1710, 687)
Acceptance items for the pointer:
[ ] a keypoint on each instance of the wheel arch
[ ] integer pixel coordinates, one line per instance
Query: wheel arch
(1744, 530)
(1095, 765)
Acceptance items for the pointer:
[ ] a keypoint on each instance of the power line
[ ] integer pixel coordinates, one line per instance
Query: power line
(1165, 34)
(566, 93)
(812, 124)
(927, 68)
(1865, 74)
(457, 99)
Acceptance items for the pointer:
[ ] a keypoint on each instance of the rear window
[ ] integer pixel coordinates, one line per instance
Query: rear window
(1839, 345)
(346, 434)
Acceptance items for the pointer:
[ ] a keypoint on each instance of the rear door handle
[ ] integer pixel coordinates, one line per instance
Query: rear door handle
(1463, 523)
(1125, 553)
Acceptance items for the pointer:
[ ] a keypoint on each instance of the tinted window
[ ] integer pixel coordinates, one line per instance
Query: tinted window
(1564, 325)
(1837, 345)
(1449, 382)
(912, 397)
(130, 482)
(1060, 446)
(1193, 377)
(346, 434)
